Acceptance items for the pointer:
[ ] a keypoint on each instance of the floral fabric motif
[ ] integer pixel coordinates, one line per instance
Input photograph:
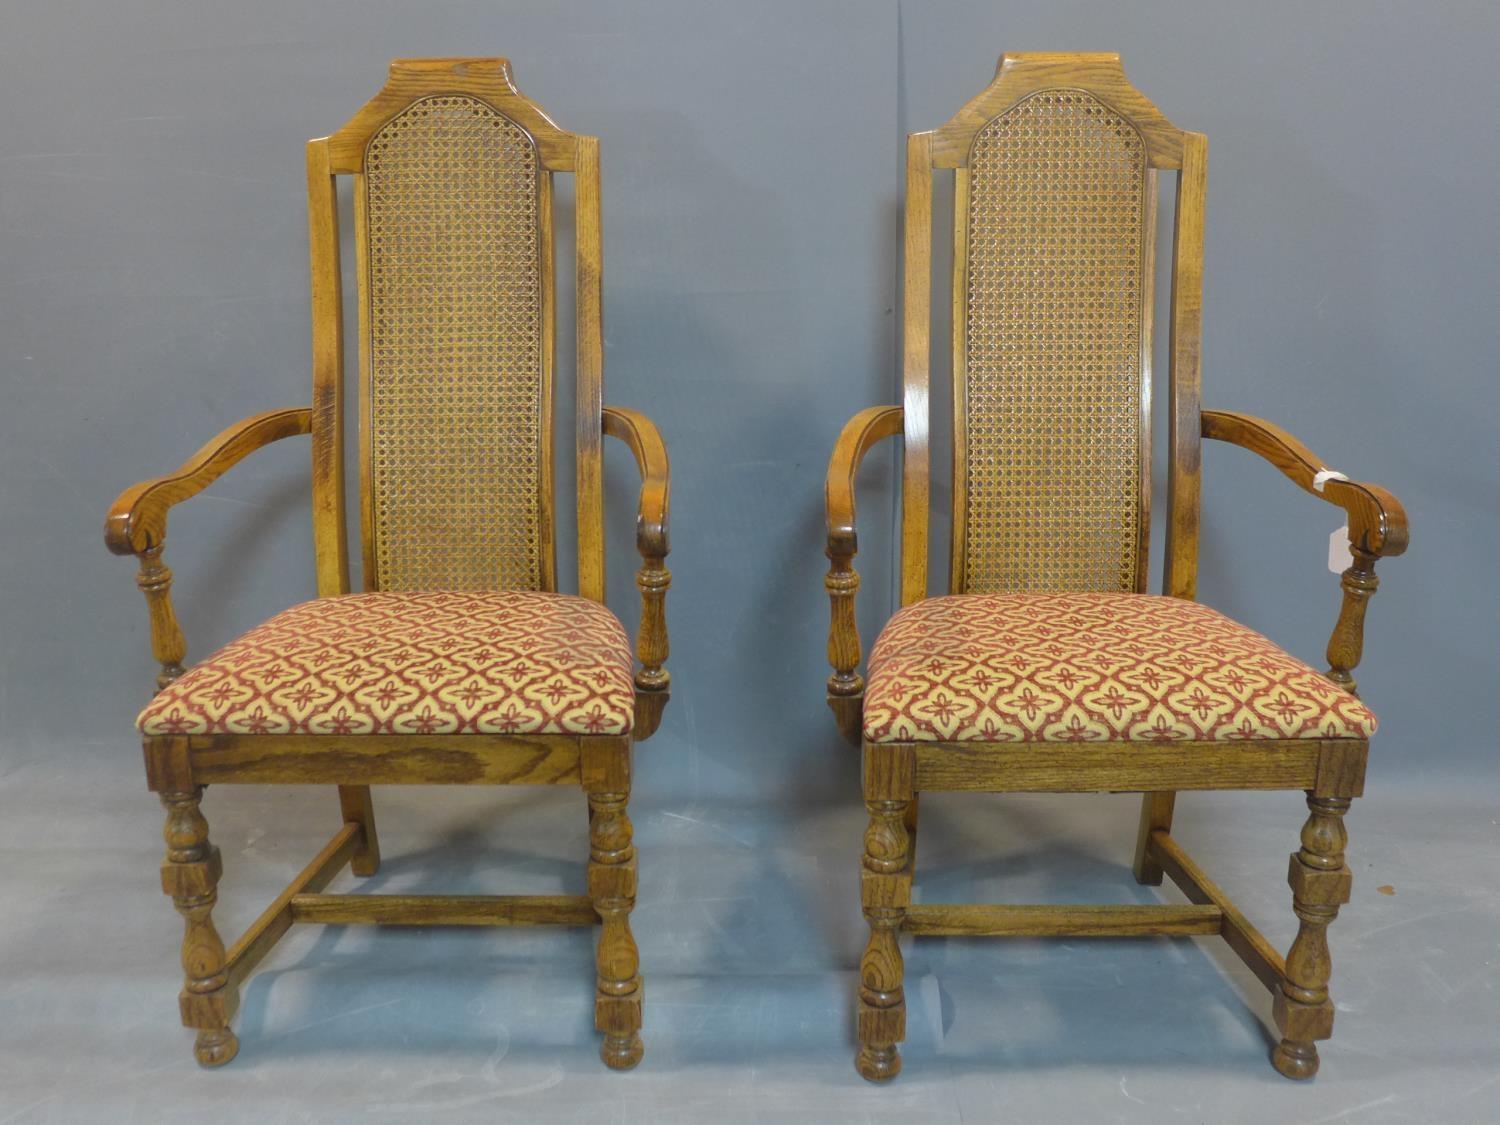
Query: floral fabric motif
(1092, 668)
(412, 663)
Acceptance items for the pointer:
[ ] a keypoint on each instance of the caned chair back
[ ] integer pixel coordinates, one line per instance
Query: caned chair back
(1054, 231)
(453, 239)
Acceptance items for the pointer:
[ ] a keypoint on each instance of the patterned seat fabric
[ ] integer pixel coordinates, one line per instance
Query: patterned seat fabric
(1092, 668)
(412, 663)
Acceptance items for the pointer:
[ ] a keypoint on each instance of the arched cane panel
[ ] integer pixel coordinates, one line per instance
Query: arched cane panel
(454, 349)
(1055, 300)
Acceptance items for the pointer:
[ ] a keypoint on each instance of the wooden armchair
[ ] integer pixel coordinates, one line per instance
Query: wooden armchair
(1048, 668)
(460, 663)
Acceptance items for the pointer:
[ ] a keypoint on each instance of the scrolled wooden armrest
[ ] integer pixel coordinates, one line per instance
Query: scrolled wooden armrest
(641, 435)
(137, 521)
(1377, 524)
(652, 681)
(862, 432)
(846, 687)
(1377, 521)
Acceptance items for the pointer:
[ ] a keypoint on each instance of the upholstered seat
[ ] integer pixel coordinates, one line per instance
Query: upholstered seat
(1092, 668)
(412, 663)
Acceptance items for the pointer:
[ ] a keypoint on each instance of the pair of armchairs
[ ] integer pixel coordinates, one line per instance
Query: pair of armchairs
(1047, 667)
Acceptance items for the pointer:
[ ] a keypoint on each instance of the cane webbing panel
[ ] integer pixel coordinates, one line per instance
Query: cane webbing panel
(1056, 247)
(455, 337)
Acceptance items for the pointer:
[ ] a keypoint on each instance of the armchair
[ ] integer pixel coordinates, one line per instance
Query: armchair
(1047, 667)
(459, 662)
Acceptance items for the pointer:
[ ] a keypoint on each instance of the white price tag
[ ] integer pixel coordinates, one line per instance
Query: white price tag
(1323, 476)
(1339, 558)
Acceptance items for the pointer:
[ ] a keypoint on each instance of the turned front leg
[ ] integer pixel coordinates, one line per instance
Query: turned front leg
(617, 1005)
(885, 892)
(190, 874)
(1320, 882)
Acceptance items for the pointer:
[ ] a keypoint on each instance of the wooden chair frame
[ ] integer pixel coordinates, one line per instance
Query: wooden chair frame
(178, 768)
(1331, 772)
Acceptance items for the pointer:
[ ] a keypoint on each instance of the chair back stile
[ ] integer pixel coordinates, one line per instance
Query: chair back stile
(1055, 171)
(453, 195)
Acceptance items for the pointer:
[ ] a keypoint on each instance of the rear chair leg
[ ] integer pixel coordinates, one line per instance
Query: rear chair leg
(190, 874)
(885, 891)
(1320, 883)
(1156, 813)
(617, 1003)
(357, 807)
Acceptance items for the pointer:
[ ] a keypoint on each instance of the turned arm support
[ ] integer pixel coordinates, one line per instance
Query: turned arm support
(846, 687)
(1377, 523)
(652, 682)
(137, 521)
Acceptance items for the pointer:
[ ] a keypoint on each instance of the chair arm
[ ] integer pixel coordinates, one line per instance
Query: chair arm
(137, 522)
(641, 435)
(652, 682)
(846, 687)
(1377, 521)
(1377, 524)
(862, 432)
(138, 519)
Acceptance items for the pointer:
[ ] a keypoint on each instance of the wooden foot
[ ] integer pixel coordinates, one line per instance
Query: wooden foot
(1320, 882)
(215, 1048)
(355, 803)
(885, 892)
(622, 1052)
(1156, 815)
(1295, 1060)
(190, 874)
(878, 1064)
(611, 876)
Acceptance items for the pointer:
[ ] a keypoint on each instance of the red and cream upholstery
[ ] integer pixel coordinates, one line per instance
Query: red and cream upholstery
(1092, 668)
(412, 663)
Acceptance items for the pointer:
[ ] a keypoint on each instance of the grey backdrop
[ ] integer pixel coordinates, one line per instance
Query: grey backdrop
(153, 288)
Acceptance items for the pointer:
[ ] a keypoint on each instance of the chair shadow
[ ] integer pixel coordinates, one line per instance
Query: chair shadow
(217, 581)
(1210, 989)
(444, 960)
(1206, 975)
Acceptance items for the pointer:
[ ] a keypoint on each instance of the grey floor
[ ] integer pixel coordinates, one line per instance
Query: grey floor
(749, 931)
